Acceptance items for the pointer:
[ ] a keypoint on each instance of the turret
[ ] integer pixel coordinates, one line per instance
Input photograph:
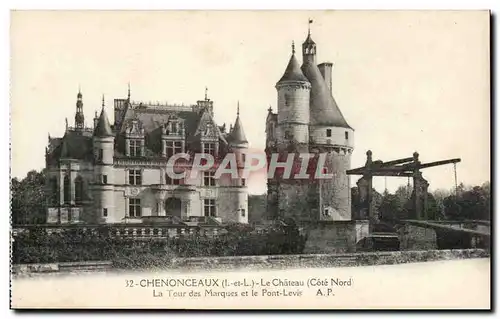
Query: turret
(293, 104)
(239, 144)
(103, 145)
(79, 117)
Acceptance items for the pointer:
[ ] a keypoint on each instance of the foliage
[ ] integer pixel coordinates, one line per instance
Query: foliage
(77, 245)
(471, 203)
(28, 198)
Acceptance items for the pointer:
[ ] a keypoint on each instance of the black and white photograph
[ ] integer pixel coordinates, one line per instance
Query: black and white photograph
(250, 159)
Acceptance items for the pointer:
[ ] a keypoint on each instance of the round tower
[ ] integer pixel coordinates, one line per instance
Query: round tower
(103, 145)
(239, 145)
(293, 105)
(329, 135)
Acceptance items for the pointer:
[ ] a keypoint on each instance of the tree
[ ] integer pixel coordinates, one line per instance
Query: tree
(390, 208)
(28, 198)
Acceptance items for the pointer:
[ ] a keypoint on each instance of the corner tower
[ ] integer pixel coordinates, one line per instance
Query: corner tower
(330, 134)
(293, 106)
(103, 186)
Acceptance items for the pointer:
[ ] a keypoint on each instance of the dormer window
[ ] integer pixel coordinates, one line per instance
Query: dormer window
(173, 147)
(174, 128)
(346, 135)
(135, 148)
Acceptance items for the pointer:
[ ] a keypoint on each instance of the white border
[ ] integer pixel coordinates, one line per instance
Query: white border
(8, 5)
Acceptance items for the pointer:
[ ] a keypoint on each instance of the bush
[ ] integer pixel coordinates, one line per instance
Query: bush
(77, 245)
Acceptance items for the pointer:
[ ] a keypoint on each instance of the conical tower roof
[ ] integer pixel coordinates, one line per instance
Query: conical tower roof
(293, 71)
(237, 134)
(103, 127)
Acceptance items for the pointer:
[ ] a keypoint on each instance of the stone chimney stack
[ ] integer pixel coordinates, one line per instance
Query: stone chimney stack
(326, 71)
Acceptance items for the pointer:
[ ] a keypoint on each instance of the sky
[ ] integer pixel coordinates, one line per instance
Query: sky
(405, 81)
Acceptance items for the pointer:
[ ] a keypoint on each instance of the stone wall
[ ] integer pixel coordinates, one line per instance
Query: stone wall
(330, 237)
(417, 238)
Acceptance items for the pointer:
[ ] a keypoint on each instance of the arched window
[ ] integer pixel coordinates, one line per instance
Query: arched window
(54, 191)
(79, 190)
(67, 190)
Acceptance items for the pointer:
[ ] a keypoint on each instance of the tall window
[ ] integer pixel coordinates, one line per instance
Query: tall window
(134, 207)
(134, 177)
(173, 147)
(54, 191)
(242, 212)
(105, 212)
(209, 207)
(67, 190)
(209, 148)
(135, 148)
(174, 129)
(346, 135)
(99, 154)
(243, 182)
(171, 181)
(208, 178)
(104, 179)
(79, 190)
(328, 132)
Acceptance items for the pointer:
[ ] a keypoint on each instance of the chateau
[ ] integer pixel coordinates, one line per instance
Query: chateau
(116, 173)
(309, 120)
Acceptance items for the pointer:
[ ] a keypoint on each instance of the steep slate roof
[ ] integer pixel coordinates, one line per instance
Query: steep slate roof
(323, 107)
(293, 72)
(103, 127)
(237, 134)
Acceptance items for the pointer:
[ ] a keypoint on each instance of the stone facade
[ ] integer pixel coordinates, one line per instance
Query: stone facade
(309, 120)
(118, 173)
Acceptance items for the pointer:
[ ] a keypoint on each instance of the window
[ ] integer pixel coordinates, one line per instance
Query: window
(328, 132)
(346, 135)
(135, 148)
(134, 207)
(78, 190)
(104, 179)
(134, 177)
(171, 181)
(208, 178)
(55, 191)
(173, 128)
(105, 212)
(287, 98)
(243, 182)
(209, 148)
(242, 212)
(209, 207)
(243, 158)
(67, 191)
(288, 135)
(174, 147)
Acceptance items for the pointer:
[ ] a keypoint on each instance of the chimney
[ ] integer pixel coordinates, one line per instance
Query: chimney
(326, 71)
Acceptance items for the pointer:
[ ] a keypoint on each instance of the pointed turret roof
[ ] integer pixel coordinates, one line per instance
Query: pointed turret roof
(103, 127)
(238, 134)
(293, 71)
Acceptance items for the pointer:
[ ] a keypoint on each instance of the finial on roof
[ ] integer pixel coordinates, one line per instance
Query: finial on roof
(293, 47)
(238, 109)
(309, 26)
(103, 101)
(206, 93)
(66, 119)
(95, 115)
(270, 109)
(128, 91)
